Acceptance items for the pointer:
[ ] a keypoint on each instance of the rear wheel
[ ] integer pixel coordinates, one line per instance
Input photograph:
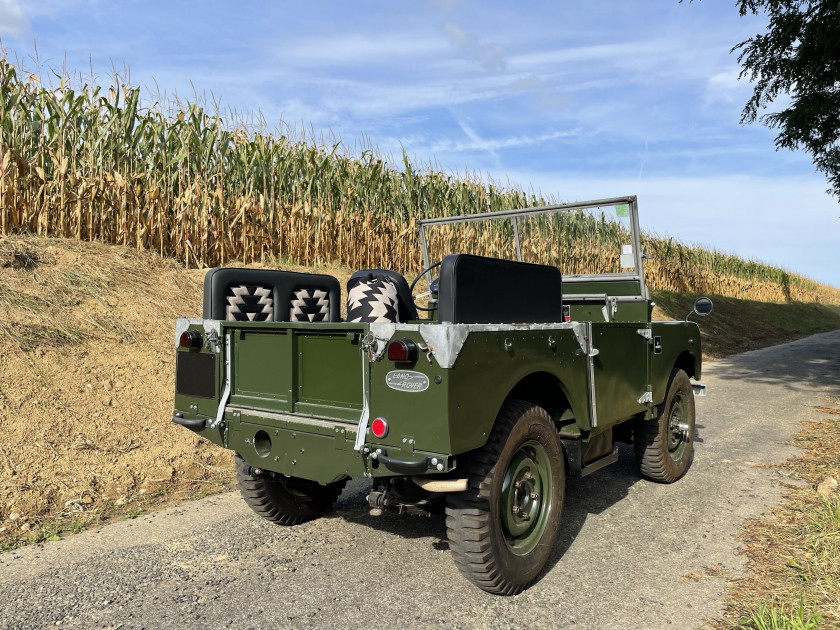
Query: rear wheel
(286, 500)
(502, 529)
(665, 445)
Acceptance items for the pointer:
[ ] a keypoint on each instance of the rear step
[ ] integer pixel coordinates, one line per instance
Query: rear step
(291, 421)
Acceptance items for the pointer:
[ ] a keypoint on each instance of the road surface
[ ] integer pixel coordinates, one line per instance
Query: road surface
(630, 553)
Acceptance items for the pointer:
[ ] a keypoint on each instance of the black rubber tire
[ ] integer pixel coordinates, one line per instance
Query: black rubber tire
(657, 458)
(474, 525)
(290, 501)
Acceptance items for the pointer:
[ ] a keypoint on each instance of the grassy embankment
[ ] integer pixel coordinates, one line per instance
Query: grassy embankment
(88, 368)
(793, 580)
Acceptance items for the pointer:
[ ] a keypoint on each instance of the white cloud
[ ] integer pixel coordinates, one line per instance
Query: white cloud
(477, 143)
(14, 23)
(359, 48)
(725, 87)
(370, 99)
(489, 56)
(526, 83)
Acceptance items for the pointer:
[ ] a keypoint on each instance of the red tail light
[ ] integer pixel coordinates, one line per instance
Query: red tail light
(379, 427)
(402, 350)
(190, 339)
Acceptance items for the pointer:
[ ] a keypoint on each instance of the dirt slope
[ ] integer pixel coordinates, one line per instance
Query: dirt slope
(87, 378)
(86, 384)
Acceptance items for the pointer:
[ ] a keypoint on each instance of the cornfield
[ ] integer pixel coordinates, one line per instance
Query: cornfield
(90, 162)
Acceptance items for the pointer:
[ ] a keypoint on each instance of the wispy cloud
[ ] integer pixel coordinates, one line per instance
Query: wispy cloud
(14, 22)
(725, 87)
(477, 143)
(373, 49)
(489, 56)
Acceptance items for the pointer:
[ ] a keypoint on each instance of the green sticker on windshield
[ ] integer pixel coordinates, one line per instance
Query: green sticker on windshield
(622, 211)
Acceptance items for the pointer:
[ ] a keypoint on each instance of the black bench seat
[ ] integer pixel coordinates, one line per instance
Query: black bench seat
(481, 290)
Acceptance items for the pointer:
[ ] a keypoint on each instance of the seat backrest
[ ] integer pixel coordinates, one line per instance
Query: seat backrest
(480, 290)
(379, 295)
(259, 295)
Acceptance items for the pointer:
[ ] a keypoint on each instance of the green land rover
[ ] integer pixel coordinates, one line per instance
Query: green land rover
(482, 396)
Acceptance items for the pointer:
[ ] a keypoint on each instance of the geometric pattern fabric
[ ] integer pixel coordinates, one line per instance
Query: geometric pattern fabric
(373, 300)
(310, 305)
(248, 303)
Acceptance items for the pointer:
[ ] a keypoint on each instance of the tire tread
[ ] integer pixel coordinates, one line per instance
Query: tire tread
(274, 500)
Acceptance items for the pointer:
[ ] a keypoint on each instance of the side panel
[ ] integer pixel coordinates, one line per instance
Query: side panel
(670, 340)
(621, 371)
(487, 369)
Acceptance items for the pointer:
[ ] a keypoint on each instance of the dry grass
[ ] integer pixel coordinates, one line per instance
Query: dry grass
(87, 373)
(17, 254)
(794, 552)
(743, 325)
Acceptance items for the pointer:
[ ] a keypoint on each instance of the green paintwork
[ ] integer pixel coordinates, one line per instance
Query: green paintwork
(679, 339)
(284, 374)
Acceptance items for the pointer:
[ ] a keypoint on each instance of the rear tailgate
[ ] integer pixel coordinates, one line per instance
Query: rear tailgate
(311, 370)
(289, 398)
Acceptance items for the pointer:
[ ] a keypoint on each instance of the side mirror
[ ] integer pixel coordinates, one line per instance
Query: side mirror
(702, 306)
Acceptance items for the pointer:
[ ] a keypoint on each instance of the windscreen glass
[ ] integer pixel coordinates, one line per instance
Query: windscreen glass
(577, 241)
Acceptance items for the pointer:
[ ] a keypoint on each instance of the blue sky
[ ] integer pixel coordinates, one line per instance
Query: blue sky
(580, 100)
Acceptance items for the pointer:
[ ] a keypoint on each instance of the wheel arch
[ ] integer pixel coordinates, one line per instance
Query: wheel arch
(688, 363)
(545, 390)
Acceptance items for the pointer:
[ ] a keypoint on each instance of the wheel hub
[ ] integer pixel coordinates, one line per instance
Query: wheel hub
(678, 429)
(525, 499)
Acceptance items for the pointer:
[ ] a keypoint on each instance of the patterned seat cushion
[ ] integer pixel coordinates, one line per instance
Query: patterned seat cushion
(373, 299)
(260, 295)
(310, 305)
(249, 303)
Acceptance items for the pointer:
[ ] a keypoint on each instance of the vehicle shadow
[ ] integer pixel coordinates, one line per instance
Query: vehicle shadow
(803, 364)
(584, 496)
(353, 507)
(592, 495)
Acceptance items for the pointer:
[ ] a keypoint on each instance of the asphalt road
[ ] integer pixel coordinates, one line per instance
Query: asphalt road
(631, 554)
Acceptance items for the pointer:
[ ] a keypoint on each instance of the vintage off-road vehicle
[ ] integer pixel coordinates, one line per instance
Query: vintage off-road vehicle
(516, 378)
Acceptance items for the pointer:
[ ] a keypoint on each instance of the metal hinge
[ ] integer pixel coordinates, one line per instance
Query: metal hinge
(647, 333)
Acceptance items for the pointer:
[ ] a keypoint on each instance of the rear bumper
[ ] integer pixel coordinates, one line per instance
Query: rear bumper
(310, 448)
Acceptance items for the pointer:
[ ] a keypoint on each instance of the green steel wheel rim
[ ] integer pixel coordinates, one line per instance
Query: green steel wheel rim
(525, 502)
(678, 428)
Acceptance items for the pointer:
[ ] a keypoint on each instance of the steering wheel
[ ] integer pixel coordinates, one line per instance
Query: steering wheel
(425, 293)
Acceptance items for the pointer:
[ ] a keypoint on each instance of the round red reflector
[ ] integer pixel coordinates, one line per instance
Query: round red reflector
(379, 428)
(190, 339)
(402, 350)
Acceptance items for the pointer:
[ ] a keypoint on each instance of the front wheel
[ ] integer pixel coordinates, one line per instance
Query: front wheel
(285, 501)
(665, 445)
(502, 528)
